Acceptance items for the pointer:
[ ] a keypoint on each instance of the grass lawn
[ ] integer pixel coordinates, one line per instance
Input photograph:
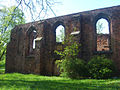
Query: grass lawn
(17, 81)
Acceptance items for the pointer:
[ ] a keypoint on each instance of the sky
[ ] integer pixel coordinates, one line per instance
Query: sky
(102, 26)
(74, 6)
(70, 6)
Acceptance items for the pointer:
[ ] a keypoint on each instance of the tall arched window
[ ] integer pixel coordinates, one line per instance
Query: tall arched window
(31, 34)
(60, 33)
(34, 37)
(103, 34)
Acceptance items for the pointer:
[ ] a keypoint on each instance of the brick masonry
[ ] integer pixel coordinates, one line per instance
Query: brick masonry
(41, 60)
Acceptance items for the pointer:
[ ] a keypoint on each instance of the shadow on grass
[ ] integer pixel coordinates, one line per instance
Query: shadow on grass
(53, 85)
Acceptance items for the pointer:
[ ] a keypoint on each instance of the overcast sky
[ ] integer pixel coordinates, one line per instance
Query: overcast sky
(71, 6)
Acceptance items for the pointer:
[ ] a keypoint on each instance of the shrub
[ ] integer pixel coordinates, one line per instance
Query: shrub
(2, 66)
(70, 65)
(73, 68)
(101, 67)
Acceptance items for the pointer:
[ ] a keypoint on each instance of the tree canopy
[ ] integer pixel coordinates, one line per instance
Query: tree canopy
(9, 18)
(37, 9)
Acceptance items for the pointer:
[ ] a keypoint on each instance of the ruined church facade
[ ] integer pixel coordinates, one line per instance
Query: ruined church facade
(31, 47)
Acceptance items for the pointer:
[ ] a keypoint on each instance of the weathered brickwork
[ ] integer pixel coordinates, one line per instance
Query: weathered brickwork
(21, 57)
(103, 42)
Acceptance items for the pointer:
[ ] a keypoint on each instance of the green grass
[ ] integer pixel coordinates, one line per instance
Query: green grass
(17, 81)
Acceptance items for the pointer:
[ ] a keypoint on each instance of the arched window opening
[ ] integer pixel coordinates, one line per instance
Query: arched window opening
(34, 35)
(103, 35)
(60, 33)
(31, 40)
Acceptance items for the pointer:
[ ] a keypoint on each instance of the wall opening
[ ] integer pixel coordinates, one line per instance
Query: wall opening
(103, 34)
(60, 33)
(32, 35)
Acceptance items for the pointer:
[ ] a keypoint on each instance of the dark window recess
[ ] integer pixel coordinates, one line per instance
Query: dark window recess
(31, 42)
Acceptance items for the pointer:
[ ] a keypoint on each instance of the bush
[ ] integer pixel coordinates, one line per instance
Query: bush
(73, 68)
(70, 65)
(2, 66)
(101, 67)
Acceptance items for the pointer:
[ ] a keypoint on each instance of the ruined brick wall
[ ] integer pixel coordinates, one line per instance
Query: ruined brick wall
(103, 42)
(42, 59)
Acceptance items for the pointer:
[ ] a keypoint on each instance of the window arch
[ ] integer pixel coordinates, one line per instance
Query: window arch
(103, 34)
(60, 33)
(34, 37)
(31, 35)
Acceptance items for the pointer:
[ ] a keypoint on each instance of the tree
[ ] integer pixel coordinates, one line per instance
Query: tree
(38, 9)
(100, 27)
(61, 35)
(35, 9)
(9, 18)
